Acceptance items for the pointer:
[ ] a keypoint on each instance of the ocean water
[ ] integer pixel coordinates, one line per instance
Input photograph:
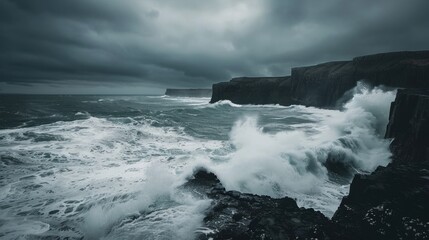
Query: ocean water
(110, 167)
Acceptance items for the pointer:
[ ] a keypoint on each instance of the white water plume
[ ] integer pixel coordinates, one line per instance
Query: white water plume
(297, 162)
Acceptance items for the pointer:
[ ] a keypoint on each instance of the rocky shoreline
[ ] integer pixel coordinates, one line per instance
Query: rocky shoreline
(235, 215)
(390, 203)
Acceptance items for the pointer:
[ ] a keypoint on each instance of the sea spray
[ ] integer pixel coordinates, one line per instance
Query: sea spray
(263, 164)
(299, 162)
(103, 215)
(375, 101)
(159, 200)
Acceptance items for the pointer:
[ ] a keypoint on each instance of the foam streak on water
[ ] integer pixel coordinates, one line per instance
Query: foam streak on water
(110, 168)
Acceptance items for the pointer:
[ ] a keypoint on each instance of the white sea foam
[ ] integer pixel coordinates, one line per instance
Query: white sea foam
(82, 114)
(176, 221)
(224, 103)
(192, 101)
(374, 101)
(266, 163)
(14, 228)
(102, 171)
(103, 215)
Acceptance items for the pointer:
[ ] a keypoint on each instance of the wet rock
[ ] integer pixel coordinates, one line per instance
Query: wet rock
(382, 205)
(235, 215)
(409, 126)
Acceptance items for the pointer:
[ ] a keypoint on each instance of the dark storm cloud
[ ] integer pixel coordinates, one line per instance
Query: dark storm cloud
(191, 42)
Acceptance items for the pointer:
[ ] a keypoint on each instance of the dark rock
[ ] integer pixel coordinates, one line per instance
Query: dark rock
(259, 90)
(193, 92)
(235, 215)
(396, 69)
(391, 203)
(409, 126)
(203, 182)
(322, 85)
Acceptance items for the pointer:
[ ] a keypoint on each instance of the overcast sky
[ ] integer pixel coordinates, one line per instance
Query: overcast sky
(131, 46)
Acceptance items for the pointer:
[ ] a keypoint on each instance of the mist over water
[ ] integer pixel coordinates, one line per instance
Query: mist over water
(110, 166)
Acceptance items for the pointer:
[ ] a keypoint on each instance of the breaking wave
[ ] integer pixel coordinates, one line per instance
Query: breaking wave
(302, 162)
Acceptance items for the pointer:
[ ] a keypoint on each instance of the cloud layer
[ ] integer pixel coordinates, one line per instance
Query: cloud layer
(153, 44)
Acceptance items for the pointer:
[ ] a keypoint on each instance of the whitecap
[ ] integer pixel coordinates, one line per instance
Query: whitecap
(14, 228)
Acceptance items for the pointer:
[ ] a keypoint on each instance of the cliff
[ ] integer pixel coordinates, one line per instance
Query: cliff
(195, 92)
(254, 90)
(324, 84)
(409, 126)
(396, 69)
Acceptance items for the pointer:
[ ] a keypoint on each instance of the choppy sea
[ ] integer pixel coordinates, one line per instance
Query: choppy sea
(110, 167)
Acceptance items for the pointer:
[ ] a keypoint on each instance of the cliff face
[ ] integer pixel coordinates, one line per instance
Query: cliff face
(247, 90)
(392, 202)
(195, 92)
(397, 69)
(324, 84)
(409, 126)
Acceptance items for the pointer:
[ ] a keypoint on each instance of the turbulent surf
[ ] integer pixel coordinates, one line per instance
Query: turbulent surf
(112, 166)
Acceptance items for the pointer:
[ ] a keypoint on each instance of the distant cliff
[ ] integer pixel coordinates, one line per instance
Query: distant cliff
(194, 92)
(322, 85)
(254, 90)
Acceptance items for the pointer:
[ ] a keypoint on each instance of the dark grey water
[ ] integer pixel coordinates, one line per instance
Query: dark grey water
(109, 166)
